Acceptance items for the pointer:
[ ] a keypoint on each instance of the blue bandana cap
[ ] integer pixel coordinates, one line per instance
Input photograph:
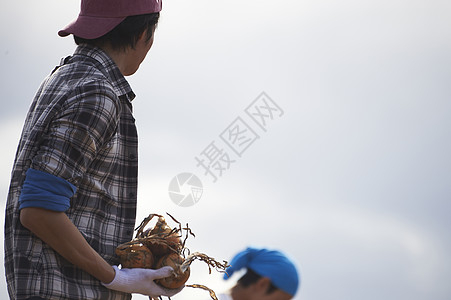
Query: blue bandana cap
(267, 263)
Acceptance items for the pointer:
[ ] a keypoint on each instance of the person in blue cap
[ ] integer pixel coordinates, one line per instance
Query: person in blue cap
(270, 275)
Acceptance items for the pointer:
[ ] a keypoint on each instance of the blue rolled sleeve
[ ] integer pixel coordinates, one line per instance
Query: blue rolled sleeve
(44, 190)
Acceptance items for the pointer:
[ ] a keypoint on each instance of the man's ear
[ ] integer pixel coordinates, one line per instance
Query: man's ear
(143, 35)
(263, 284)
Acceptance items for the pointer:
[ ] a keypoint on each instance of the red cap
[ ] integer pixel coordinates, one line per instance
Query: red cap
(98, 17)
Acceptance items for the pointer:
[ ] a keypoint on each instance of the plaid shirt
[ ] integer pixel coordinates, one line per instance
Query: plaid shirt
(80, 128)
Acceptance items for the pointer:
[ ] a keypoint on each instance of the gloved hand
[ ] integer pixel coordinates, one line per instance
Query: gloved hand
(141, 281)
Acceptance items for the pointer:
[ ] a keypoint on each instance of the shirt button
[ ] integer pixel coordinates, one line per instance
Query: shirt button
(132, 156)
(131, 195)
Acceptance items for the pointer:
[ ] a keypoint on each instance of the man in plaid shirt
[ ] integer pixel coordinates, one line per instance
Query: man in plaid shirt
(72, 197)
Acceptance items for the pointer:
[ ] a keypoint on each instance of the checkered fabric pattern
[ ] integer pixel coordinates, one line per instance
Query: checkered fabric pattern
(80, 128)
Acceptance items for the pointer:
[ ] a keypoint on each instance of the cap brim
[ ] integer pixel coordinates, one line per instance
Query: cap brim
(90, 27)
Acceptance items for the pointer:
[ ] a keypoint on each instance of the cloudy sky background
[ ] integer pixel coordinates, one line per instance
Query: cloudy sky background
(352, 182)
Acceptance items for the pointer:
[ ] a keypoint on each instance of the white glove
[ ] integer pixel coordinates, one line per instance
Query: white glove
(141, 281)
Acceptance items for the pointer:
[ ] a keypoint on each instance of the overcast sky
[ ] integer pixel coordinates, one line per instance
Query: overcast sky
(351, 177)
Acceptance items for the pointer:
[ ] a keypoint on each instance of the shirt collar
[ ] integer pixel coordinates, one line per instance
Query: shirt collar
(108, 67)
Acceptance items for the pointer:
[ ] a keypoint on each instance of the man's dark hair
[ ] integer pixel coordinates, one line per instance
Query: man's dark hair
(126, 34)
(251, 277)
